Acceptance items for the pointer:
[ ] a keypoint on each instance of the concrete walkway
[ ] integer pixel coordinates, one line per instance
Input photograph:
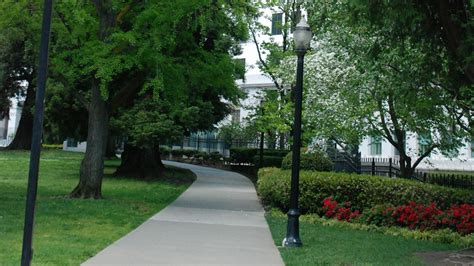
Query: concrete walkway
(217, 221)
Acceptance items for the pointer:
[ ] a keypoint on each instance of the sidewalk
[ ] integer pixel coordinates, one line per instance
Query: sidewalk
(218, 220)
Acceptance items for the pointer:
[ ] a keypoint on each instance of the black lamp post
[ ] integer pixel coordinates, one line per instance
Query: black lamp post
(302, 38)
(27, 251)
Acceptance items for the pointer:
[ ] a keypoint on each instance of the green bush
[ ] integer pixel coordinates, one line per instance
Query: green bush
(164, 151)
(316, 160)
(247, 155)
(268, 161)
(363, 191)
(276, 153)
(242, 155)
(214, 156)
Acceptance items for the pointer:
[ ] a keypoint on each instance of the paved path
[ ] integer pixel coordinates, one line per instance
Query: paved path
(218, 220)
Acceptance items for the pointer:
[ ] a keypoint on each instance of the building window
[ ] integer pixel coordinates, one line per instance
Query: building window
(235, 116)
(424, 143)
(376, 145)
(277, 23)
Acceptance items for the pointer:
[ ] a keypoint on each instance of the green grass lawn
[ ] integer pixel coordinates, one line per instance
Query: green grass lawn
(68, 231)
(326, 245)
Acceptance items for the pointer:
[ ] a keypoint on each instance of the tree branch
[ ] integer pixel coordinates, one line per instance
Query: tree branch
(264, 64)
(424, 155)
(63, 21)
(124, 11)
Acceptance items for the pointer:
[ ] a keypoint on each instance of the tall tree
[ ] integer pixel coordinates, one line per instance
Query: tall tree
(444, 23)
(19, 32)
(362, 81)
(108, 52)
(185, 96)
(271, 50)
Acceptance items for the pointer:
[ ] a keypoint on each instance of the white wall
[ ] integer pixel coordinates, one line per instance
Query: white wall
(14, 117)
(463, 162)
(81, 147)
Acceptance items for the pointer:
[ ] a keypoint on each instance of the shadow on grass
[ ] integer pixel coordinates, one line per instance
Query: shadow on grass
(171, 175)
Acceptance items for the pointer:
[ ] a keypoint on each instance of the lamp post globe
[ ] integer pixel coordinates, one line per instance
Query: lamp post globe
(302, 38)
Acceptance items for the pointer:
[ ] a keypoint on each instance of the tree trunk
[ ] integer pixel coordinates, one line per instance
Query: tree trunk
(22, 139)
(406, 169)
(140, 163)
(92, 166)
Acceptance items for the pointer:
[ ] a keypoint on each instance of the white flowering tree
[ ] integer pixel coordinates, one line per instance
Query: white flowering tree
(361, 81)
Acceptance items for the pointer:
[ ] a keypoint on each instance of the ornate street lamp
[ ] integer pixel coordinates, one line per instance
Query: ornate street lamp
(302, 37)
(27, 251)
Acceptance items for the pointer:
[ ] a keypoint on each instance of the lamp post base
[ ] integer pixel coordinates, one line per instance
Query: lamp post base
(292, 238)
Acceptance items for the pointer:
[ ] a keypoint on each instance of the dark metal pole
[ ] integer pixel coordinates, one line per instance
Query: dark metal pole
(27, 251)
(292, 238)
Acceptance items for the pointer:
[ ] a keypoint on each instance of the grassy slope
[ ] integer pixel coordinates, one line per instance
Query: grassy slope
(68, 231)
(325, 245)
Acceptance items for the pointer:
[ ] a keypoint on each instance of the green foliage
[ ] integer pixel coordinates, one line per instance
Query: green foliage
(362, 191)
(316, 160)
(237, 131)
(268, 161)
(147, 123)
(242, 155)
(165, 151)
(249, 155)
(441, 236)
(276, 153)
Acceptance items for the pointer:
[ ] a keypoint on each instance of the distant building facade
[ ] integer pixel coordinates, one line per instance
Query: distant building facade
(9, 124)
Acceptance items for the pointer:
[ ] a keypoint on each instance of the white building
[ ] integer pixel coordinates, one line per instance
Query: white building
(9, 124)
(255, 81)
(373, 147)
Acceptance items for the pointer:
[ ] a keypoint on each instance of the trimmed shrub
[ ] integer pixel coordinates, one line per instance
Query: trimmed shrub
(362, 191)
(268, 161)
(247, 155)
(177, 152)
(165, 151)
(316, 160)
(242, 155)
(214, 156)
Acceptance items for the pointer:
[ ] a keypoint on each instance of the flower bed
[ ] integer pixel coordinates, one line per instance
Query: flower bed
(459, 218)
(363, 191)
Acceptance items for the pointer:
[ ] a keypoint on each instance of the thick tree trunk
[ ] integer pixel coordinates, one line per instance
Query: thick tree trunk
(22, 139)
(406, 170)
(140, 163)
(92, 166)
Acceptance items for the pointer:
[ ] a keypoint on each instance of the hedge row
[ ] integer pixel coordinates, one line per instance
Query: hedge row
(247, 155)
(316, 160)
(268, 161)
(362, 191)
